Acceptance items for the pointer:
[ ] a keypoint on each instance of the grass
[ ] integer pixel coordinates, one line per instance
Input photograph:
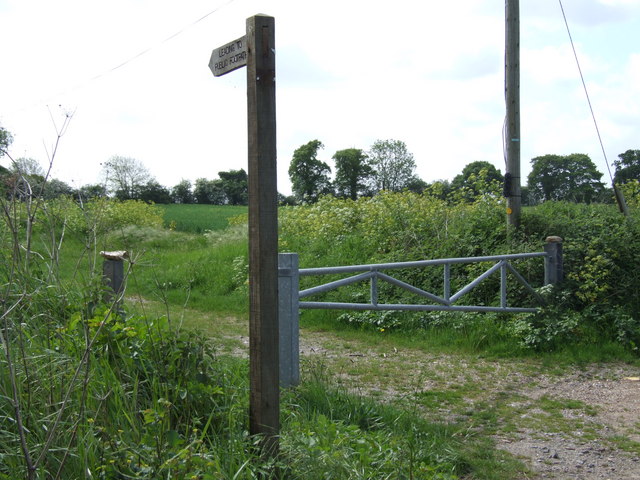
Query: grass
(230, 333)
(449, 395)
(624, 443)
(426, 447)
(487, 394)
(338, 421)
(363, 402)
(477, 334)
(205, 271)
(489, 397)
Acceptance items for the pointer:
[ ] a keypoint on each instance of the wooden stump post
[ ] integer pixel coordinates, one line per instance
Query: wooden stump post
(113, 275)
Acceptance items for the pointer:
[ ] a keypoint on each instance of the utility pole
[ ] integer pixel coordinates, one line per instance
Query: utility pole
(512, 189)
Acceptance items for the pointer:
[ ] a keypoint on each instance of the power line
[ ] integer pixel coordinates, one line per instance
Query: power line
(168, 39)
(134, 57)
(586, 91)
(619, 195)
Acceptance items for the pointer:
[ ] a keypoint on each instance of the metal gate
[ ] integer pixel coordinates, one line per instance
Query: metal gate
(290, 296)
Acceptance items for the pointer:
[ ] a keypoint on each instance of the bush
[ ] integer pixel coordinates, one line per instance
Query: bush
(601, 252)
(102, 215)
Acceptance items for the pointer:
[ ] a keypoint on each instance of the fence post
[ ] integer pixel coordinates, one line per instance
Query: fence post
(553, 268)
(288, 312)
(113, 276)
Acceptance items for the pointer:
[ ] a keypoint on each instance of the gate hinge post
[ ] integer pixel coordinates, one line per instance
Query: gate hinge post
(553, 266)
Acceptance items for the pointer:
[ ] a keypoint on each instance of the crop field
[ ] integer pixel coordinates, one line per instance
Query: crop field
(199, 218)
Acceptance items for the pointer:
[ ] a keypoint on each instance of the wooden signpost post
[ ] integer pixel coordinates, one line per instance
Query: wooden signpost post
(256, 50)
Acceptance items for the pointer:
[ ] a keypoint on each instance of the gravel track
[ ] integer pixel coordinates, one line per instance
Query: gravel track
(593, 445)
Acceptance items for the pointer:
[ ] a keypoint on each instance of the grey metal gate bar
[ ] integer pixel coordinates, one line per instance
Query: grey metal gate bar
(373, 274)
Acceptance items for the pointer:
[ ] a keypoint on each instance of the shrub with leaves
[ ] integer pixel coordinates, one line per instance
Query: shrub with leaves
(379, 321)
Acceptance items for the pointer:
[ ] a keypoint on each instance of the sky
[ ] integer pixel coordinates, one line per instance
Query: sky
(133, 77)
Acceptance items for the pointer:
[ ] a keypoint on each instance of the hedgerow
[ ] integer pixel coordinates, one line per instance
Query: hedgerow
(597, 300)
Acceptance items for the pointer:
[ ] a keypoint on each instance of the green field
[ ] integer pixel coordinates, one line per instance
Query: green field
(200, 218)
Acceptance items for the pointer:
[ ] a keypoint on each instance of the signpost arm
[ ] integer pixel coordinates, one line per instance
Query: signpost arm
(264, 408)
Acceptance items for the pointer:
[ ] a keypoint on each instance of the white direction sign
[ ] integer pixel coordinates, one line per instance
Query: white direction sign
(229, 57)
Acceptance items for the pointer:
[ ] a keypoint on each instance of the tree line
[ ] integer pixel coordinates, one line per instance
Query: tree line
(388, 165)
(128, 179)
(125, 178)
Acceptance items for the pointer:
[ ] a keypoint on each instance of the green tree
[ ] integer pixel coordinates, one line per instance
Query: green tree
(627, 167)
(201, 190)
(54, 188)
(28, 167)
(235, 185)
(125, 176)
(92, 191)
(570, 177)
(209, 192)
(5, 173)
(477, 179)
(438, 189)
(393, 164)
(152, 191)
(309, 176)
(417, 185)
(25, 178)
(5, 140)
(182, 193)
(353, 173)
(286, 200)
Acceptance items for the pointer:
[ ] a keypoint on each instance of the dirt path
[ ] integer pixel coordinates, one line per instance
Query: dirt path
(564, 423)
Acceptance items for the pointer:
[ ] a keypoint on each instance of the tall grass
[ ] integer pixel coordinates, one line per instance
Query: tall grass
(89, 390)
(206, 271)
